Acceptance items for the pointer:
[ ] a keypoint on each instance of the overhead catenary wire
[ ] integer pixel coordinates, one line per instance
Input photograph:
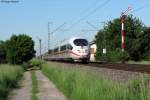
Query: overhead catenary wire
(93, 26)
(52, 32)
(140, 8)
(134, 2)
(94, 10)
(90, 6)
(58, 28)
(90, 13)
(87, 9)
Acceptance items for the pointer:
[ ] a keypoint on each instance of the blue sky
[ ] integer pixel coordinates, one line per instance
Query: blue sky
(31, 17)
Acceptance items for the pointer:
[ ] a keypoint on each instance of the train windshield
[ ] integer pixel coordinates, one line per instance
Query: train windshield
(81, 42)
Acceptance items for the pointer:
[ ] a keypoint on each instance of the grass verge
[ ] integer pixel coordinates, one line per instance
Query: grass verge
(32, 64)
(85, 85)
(9, 77)
(139, 62)
(34, 85)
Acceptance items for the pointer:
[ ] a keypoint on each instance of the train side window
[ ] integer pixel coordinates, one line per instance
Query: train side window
(50, 51)
(56, 50)
(69, 47)
(62, 48)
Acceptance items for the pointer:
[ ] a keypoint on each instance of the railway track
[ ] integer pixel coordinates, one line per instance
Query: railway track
(126, 67)
(118, 66)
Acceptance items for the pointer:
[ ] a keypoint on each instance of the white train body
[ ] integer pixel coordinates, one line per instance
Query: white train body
(75, 49)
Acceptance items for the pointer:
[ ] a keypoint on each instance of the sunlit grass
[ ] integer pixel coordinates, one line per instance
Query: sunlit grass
(35, 62)
(34, 85)
(139, 62)
(85, 85)
(9, 76)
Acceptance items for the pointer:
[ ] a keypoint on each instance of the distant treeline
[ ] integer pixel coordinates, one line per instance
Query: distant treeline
(16, 50)
(137, 40)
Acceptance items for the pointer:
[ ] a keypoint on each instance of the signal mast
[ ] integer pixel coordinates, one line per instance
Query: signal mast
(122, 25)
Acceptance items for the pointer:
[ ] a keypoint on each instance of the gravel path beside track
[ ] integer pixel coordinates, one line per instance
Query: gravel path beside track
(24, 90)
(46, 89)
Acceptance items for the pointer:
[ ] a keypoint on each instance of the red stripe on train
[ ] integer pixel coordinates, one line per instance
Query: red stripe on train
(66, 51)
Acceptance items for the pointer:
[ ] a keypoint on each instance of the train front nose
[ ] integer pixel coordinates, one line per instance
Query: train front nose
(83, 52)
(81, 47)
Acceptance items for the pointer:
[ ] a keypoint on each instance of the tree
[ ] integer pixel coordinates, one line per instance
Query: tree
(112, 35)
(20, 49)
(145, 44)
(2, 52)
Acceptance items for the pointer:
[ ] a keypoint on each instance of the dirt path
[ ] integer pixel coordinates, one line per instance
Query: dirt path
(46, 89)
(24, 90)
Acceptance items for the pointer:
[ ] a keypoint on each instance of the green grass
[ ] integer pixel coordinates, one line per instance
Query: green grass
(85, 85)
(9, 77)
(32, 64)
(139, 62)
(35, 62)
(34, 85)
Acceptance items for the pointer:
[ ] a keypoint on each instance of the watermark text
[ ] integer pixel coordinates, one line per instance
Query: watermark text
(9, 1)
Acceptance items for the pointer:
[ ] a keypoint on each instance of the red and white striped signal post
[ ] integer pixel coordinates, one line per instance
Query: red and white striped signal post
(122, 26)
(122, 31)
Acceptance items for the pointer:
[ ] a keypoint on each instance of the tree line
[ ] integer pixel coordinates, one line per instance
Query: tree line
(137, 40)
(16, 50)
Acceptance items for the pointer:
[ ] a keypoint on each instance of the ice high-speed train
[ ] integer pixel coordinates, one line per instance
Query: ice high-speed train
(74, 49)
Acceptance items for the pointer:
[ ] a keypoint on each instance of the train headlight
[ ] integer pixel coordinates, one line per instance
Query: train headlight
(79, 51)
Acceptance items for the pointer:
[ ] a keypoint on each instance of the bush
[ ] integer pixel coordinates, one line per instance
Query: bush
(35, 62)
(113, 56)
(9, 76)
(117, 56)
(25, 65)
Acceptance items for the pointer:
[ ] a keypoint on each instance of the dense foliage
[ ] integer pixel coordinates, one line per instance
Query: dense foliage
(17, 49)
(145, 44)
(2, 52)
(137, 40)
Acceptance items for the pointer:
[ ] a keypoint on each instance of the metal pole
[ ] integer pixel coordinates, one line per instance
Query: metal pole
(123, 35)
(122, 31)
(52, 32)
(48, 36)
(40, 48)
(122, 26)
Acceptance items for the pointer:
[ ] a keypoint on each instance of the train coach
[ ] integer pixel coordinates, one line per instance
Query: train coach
(76, 49)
